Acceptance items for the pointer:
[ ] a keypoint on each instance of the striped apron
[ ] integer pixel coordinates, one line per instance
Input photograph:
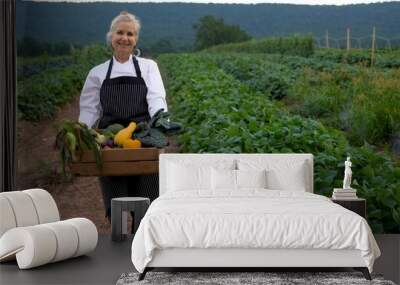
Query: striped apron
(123, 100)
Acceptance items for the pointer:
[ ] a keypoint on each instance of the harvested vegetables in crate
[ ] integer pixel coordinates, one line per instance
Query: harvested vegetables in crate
(115, 150)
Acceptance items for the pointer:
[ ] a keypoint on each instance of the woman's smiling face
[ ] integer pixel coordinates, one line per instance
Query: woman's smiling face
(123, 39)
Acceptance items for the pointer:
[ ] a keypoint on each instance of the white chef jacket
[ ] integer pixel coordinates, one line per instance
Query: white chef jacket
(90, 107)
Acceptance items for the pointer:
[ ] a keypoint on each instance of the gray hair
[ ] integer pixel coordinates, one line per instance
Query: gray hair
(123, 17)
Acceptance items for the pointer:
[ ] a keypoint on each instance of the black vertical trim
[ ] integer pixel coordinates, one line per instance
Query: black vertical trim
(137, 69)
(8, 104)
(109, 69)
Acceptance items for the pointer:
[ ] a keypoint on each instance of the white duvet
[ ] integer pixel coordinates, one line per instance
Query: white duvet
(250, 219)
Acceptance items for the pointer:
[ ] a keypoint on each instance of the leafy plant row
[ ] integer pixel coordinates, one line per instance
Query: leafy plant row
(270, 74)
(41, 94)
(363, 102)
(383, 59)
(271, 78)
(304, 46)
(26, 67)
(295, 45)
(223, 115)
(298, 63)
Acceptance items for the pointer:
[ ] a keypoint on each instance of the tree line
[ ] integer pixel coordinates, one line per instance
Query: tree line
(210, 31)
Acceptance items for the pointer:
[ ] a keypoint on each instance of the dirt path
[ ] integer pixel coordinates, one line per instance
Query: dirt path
(39, 167)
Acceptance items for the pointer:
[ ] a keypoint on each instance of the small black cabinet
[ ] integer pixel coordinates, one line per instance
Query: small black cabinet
(357, 205)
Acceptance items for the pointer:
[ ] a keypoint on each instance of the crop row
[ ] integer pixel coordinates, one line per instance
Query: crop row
(363, 102)
(222, 114)
(304, 46)
(27, 67)
(40, 94)
(271, 74)
(295, 45)
(383, 59)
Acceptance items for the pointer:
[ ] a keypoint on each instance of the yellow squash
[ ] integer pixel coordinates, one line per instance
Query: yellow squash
(125, 135)
(132, 143)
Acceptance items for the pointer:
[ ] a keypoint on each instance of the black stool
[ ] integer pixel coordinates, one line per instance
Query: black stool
(119, 215)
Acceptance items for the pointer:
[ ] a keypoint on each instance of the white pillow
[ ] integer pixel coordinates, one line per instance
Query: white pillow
(231, 180)
(282, 174)
(251, 178)
(223, 179)
(294, 180)
(193, 174)
(183, 177)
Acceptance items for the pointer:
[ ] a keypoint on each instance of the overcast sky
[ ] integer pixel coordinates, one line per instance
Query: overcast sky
(309, 2)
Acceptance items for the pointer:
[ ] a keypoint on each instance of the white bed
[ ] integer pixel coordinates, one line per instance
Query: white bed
(224, 217)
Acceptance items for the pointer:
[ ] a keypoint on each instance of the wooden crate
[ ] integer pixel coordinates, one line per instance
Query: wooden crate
(119, 162)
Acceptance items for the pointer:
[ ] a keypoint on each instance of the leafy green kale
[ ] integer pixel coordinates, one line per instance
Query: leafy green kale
(154, 132)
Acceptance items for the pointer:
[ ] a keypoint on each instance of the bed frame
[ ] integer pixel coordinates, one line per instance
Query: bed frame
(259, 259)
(249, 259)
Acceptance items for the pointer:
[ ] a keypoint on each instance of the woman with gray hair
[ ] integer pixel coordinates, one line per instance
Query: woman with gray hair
(123, 89)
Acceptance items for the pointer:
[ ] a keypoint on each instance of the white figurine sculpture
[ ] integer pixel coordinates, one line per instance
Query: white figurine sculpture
(347, 174)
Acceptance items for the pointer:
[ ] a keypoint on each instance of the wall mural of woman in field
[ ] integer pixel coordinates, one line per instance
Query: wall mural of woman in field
(269, 94)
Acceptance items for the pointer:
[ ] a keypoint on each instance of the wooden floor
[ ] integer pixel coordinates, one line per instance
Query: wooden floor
(102, 266)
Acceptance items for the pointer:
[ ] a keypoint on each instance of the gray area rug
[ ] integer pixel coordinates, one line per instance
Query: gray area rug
(243, 278)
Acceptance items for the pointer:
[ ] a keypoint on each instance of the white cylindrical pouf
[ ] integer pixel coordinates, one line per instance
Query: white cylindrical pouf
(87, 234)
(45, 205)
(23, 208)
(7, 218)
(66, 237)
(34, 246)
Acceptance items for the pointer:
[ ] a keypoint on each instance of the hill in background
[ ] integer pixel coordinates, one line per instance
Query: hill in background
(82, 23)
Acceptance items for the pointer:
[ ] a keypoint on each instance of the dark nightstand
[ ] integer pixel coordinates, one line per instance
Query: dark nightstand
(357, 205)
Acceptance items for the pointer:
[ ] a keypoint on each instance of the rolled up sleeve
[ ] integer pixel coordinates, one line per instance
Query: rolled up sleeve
(156, 92)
